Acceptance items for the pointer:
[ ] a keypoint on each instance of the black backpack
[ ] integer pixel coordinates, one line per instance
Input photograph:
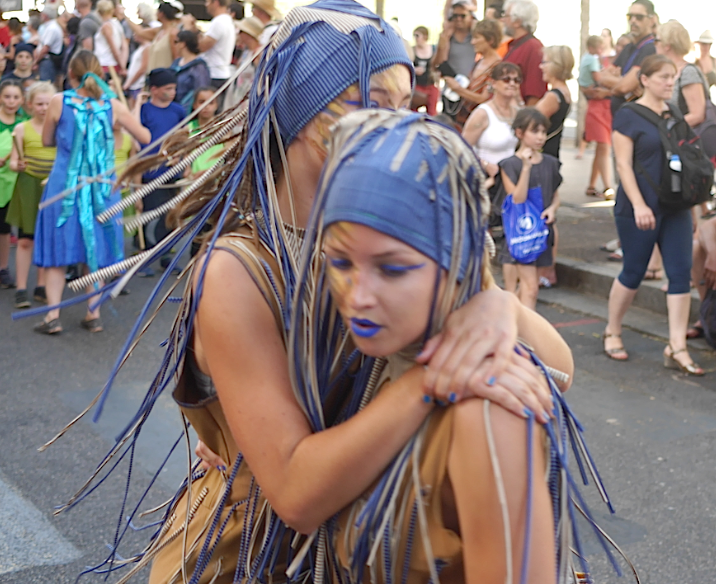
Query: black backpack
(691, 185)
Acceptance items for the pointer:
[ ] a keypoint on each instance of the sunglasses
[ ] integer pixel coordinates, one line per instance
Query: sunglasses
(510, 79)
(639, 17)
(456, 16)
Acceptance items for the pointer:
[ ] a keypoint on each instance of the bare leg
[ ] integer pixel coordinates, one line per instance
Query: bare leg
(4, 251)
(509, 275)
(40, 276)
(603, 158)
(678, 307)
(476, 496)
(697, 267)
(620, 299)
(23, 260)
(550, 272)
(529, 285)
(595, 170)
(55, 284)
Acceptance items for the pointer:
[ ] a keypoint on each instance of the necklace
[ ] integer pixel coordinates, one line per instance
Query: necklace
(505, 116)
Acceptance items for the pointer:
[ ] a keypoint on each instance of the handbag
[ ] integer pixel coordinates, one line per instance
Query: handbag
(526, 232)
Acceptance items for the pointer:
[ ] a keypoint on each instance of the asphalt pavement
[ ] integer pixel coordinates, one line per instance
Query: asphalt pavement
(652, 433)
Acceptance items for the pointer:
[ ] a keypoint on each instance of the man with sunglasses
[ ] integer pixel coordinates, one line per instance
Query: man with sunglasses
(455, 54)
(524, 50)
(623, 77)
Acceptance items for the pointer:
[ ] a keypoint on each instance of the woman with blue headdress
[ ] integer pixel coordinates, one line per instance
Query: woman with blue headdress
(270, 476)
(401, 217)
(79, 122)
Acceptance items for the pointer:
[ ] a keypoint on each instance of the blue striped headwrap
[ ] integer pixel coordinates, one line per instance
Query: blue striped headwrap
(401, 179)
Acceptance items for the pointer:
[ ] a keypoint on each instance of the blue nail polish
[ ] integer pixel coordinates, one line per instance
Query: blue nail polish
(452, 398)
(427, 399)
(222, 468)
(491, 381)
(528, 412)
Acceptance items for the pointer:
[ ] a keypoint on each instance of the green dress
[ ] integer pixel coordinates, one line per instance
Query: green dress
(8, 178)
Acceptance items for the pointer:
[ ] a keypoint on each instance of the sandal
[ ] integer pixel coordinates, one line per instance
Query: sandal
(695, 332)
(616, 353)
(591, 192)
(654, 274)
(617, 256)
(52, 327)
(93, 325)
(671, 363)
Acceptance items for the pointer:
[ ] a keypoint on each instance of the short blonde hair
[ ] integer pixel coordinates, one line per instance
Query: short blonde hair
(38, 88)
(673, 34)
(563, 60)
(105, 7)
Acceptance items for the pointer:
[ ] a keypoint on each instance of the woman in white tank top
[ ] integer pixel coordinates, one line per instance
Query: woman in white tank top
(489, 127)
(109, 39)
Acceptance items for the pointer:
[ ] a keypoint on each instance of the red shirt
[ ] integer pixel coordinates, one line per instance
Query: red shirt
(528, 56)
(5, 36)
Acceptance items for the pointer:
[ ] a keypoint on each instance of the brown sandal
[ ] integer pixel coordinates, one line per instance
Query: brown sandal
(93, 325)
(671, 363)
(615, 353)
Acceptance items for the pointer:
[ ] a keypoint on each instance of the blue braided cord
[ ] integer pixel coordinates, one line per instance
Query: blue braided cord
(276, 555)
(266, 552)
(577, 457)
(574, 491)
(219, 533)
(165, 342)
(246, 533)
(203, 559)
(528, 508)
(175, 299)
(387, 564)
(409, 543)
(196, 222)
(118, 540)
(263, 555)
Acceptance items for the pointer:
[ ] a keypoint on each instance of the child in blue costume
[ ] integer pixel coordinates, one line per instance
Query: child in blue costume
(67, 232)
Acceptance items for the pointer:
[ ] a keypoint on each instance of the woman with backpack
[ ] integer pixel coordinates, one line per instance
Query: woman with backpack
(642, 220)
(691, 90)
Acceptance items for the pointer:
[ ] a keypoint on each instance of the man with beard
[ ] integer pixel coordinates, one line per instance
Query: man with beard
(524, 50)
(623, 77)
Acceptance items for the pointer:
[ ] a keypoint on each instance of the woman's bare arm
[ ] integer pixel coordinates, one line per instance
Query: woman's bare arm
(475, 126)
(306, 477)
(696, 103)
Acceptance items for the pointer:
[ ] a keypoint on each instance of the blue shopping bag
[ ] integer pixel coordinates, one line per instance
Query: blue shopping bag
(525, 231)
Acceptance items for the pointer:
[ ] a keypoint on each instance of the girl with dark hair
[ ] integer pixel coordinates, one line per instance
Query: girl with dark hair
(162, 50)
(68, 232)
(530, 169)
(192, 71)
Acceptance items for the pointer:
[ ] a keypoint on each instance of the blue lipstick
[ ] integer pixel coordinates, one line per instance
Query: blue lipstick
(364, 328)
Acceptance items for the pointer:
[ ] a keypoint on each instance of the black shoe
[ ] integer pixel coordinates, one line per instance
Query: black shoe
(22, 300)
(6, 280)
(39, 294)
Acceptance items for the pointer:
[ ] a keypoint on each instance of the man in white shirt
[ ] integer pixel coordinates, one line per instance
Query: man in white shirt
(49, 54)
(217, 44)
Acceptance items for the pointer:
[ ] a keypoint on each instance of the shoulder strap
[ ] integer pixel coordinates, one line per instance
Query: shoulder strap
(651, 116)
(704, 84)
(518, 43)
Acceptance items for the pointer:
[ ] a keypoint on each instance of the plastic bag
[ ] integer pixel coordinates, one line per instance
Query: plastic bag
(525, 231)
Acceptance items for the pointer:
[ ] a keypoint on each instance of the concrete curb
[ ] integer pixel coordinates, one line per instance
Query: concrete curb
(595, 278)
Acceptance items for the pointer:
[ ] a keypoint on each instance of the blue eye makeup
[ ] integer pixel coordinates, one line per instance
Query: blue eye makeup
(390, 270)
(373, 104)
(339, 263)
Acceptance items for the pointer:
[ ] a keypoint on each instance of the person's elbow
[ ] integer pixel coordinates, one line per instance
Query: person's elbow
(296, 511)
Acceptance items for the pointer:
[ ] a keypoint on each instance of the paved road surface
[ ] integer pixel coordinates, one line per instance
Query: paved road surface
(652, 432)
